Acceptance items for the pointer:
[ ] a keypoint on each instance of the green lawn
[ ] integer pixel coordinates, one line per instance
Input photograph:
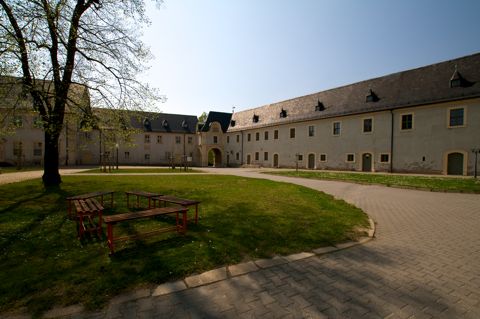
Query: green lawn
(144, 170)
(434, 183)
(43, 264)
(13, 169)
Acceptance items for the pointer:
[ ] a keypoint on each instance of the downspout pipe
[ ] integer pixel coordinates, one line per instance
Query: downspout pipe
(391, 139)
(241, 161)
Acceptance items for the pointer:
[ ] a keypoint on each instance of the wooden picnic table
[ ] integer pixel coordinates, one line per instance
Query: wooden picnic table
(139, 194)
(100, 194)
(179, 201)
(87, 210)
(112, 220)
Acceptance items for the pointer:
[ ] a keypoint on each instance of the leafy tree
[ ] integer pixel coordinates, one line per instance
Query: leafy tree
(202, 118)
(53, 44)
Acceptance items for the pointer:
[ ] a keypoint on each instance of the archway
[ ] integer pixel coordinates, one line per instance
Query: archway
(367, 162)
(214, 157)
(455, 164)
(311, 161)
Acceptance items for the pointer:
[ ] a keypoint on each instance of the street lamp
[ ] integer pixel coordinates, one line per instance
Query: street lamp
(475, 151)
(116, 147)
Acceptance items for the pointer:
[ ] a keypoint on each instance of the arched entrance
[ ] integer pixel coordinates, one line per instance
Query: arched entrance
(455, 163)
(311, 161)
(214, 157)
(275, 160)
(367, 162)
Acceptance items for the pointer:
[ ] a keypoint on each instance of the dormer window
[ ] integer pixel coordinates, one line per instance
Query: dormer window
(255, 118)
(147, 124)
(457, 80)
(165, 123)
(283, 113)
(372, 97)
(184, 124)
(319, 107)
(232, 123)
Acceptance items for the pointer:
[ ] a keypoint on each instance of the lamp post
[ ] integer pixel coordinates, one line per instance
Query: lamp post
(475, 151)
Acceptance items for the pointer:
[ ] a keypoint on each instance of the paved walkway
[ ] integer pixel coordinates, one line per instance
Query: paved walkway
(424, 263)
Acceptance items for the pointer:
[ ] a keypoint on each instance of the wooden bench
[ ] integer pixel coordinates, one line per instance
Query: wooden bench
(139, 194)
(111, 220)
(179, 201)
(100, 194)
(87, 210)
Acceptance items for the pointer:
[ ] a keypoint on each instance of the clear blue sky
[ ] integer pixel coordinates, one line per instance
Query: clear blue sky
(211, 55)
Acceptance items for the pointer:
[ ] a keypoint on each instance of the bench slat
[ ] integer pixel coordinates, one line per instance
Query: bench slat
(142, 214)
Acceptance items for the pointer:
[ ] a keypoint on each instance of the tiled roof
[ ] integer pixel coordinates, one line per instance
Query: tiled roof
(425, 85)
(222, 118)
(163, 122)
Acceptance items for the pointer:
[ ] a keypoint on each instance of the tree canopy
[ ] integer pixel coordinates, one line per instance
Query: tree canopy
(54, 43)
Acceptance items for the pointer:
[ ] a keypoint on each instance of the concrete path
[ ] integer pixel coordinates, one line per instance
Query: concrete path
(424, 263)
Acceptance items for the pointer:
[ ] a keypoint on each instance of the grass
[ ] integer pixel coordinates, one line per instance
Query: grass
(43, 264)
(434, 183)
(144, 170)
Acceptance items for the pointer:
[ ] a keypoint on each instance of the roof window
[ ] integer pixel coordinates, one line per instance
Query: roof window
(457, 80)
(232, 123)
(319, 107)
(372, 97)
(147, 124)
(255, 118)
(184, 124)
(165, 123)
(283, 113)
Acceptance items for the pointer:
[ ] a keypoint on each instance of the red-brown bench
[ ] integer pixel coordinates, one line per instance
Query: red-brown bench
(89, 216)
(139, 194)
(100, 194)
(112, 220)
(178, 201)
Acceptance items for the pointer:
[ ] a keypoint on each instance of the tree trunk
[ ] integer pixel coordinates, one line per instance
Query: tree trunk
(51, 175)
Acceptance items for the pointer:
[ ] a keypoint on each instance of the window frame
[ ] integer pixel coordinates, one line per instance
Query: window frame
(292, 130)
(339, 128)
(265, 156)
(311, 130)
(320, 157)
(265, 135)
(346, 158)
(449, 118)
(371, 125)
(146, 139)
(401, 121)
(380, 158)
(257, 136)
(275, 134)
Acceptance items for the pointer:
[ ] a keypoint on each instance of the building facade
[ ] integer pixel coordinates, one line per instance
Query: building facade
(425, 120)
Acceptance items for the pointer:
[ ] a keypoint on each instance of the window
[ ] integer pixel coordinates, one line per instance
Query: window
(257, 156)
(238, 138)
(350, 158)
(17, 148)
(147, 138)
(456, 117)
(126, 155)
(257, 136)
(336, 128)
(215, 139)
(292, 132)
(407, 122)
(323, 157)
(265, 156)
(147, 157)
(190, 140)
(283, 114)
(319, 107)
(367, 125)
(178, 139)
(249, 137)
(266, 135)
(299, 157)
(237, 156)
(311, 130)
(275, 135)
(18, 121)
(255, 119)
(168, 156)
(232, 123)
(37, 149)
(159, 139)
(372, 97)
(384, 158)
(228, 139)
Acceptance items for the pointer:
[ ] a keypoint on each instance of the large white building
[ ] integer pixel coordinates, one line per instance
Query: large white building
(425, 120)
